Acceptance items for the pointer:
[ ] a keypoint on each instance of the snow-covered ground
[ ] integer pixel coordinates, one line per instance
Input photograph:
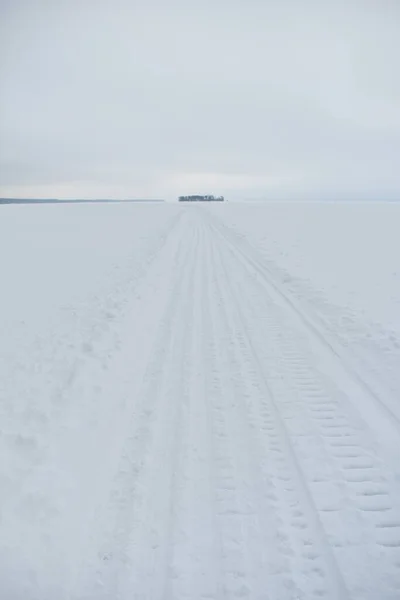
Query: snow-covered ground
(200, 402)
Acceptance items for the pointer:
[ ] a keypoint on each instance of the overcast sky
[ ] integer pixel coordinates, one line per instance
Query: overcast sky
(156, 98)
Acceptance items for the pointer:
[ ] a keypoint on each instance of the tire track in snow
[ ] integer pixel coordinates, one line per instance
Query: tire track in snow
(179, 377)
(129, 554)
(246, 472)
(194, 554)
(352, 488)
(311, 570)
(234, 511)
(250, 256)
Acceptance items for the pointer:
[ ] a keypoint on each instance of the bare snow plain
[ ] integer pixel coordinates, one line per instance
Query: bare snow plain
(200, 402)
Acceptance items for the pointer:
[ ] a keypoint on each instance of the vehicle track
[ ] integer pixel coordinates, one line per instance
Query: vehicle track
(246, 470)
(130, 520)
(301, 536)
(351, 483)
(249, 255)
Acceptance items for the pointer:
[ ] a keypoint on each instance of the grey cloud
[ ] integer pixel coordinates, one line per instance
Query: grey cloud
(289, 98)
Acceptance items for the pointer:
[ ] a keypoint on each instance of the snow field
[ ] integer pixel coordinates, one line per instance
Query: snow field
(187, 413)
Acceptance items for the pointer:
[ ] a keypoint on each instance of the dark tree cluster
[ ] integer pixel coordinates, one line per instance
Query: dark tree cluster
(197, 198)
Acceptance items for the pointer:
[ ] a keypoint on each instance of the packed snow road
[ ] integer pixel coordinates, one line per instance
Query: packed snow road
(213, 441)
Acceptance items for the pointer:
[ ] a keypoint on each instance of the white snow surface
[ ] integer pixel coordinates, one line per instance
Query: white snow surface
(200, 402)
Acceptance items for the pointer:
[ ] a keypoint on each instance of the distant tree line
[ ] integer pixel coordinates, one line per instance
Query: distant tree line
(196, 198)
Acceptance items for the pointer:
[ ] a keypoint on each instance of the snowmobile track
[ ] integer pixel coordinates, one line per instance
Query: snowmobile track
(247, 253)
(246, 469)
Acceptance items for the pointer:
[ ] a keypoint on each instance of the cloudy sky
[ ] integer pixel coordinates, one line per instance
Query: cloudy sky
(156, 98)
